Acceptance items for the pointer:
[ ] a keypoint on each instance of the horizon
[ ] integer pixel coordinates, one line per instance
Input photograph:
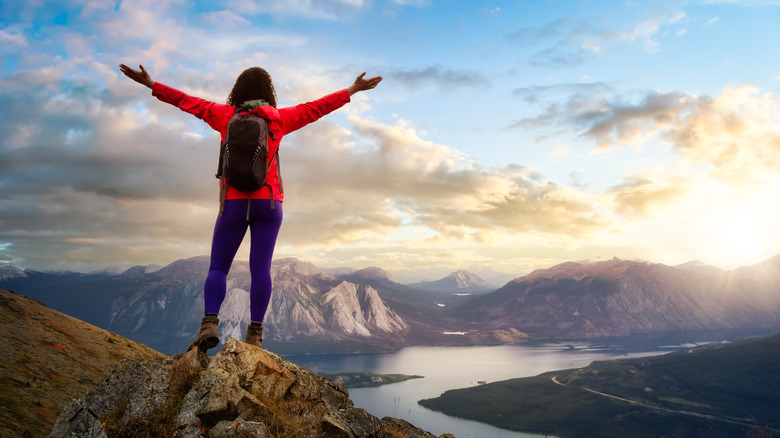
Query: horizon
(505, 135)
(495, 278)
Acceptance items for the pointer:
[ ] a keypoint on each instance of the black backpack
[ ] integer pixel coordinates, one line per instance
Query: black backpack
(243, 156)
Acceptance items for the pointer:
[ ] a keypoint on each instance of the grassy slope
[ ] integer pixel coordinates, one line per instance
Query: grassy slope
(48, 359)
(730, 382)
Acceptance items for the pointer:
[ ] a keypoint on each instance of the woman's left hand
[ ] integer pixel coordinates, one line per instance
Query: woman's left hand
(362, 84)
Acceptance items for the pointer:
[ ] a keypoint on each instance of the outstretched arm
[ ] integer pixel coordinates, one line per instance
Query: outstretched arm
(362, 84)
(142, 77)
(216, 115)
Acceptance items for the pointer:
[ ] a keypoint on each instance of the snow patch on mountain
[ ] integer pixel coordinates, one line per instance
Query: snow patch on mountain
(458, 281)
(9, 272)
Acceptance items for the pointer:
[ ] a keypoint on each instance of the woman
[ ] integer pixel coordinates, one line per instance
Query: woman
(253, 89)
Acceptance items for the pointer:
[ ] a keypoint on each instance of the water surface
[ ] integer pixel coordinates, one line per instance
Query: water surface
(447, 368)
(456, 367)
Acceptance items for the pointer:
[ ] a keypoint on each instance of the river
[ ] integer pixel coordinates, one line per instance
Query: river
(447, 368)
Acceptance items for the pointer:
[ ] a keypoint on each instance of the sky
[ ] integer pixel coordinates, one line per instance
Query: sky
(506, 136)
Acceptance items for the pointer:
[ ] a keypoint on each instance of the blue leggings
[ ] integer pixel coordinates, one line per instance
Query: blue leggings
(229, 231)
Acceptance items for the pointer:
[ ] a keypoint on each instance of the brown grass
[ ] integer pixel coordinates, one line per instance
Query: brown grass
(758, 431)
(293, 417)
(47, 360)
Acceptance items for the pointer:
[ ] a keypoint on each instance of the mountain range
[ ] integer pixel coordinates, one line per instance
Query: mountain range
(344, 310)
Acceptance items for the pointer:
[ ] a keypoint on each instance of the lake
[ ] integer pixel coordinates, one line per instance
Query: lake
(447, 368)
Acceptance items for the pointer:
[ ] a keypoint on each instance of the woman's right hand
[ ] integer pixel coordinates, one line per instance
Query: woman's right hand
(142, 77)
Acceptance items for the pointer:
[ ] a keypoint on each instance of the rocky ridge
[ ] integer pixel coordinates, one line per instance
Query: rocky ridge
(241, 391)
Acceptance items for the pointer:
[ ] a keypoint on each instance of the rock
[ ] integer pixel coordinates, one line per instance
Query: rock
(240, 427)
(394, 427)
(241, 391)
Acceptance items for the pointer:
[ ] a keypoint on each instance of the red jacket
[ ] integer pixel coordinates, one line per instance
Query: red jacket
(280, 122)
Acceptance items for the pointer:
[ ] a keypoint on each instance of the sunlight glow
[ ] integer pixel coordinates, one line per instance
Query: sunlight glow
(742, 234)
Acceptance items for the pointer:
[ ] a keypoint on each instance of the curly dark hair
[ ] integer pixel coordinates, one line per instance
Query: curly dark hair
(253, 83)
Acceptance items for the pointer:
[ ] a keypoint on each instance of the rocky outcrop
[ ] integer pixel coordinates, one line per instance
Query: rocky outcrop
(242, 391)
(357, 309)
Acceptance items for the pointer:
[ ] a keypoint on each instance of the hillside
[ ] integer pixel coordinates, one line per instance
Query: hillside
(49, 358)
(718, 390)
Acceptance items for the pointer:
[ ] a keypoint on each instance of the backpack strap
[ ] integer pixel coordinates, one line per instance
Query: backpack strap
(278, 173)
(223, 185)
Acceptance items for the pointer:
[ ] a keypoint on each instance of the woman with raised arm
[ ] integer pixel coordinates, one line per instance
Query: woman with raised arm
(254, 90)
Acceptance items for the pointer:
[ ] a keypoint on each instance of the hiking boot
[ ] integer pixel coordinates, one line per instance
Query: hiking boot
(207, 337)
(254, 334)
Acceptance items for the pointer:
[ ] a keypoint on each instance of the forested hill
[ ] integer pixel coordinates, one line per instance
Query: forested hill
(718, 390)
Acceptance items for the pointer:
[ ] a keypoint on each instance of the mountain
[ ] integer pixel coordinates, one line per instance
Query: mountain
(10, 272)
(716, 390)
(621, 297)
(141, 270)
(373, 276)
(459, 281)
(242, 391)
(49, 358)
(163, 308)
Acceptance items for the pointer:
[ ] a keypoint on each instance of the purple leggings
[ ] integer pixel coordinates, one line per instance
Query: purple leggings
(229, 231)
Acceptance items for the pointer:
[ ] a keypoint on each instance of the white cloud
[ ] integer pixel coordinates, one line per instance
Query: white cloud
(322, 10)
(12, 38)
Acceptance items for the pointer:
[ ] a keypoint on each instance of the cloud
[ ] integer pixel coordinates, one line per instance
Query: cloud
(376, 179)
(95, 172)
(640, 197)
(444, 78)
(86, 177)
(625, 124)
(570, 43)
(321, 10)
(545, 93)
(412, 2)
(12, 39)
(532, 34)
(736, 133)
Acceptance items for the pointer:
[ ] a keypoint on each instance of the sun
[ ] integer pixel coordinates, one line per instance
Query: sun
(743, 236)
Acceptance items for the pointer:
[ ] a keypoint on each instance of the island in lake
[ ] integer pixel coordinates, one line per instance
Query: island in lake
(365, 380)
